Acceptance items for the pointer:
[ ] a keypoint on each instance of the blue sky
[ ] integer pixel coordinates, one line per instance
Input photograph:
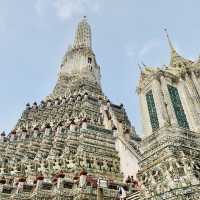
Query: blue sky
(34, 35)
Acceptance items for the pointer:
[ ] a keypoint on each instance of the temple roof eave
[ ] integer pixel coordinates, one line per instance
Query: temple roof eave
(175, 73)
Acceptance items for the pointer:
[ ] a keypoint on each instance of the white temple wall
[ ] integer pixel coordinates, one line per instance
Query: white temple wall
(128, 161)
(145, 116)
(196, 82)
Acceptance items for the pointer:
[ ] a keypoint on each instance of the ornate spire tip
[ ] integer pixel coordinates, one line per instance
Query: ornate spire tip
(169, 41)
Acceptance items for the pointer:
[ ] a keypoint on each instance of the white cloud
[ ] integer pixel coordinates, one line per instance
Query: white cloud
(130, 51)
(38, 7)
(67, 9)
(135, 52)
(42, 6)
(148, 47)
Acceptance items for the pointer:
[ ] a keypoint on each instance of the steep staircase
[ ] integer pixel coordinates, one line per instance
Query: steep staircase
(134, 196)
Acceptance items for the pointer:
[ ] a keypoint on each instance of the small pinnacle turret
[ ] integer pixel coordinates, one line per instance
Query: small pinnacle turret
(177, 60)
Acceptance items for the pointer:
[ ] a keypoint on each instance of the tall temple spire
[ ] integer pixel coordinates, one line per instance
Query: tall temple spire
(79, 63)
(76, 144)
(83, 37)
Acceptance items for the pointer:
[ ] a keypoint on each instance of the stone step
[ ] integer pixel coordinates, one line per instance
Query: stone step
(134, 196)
